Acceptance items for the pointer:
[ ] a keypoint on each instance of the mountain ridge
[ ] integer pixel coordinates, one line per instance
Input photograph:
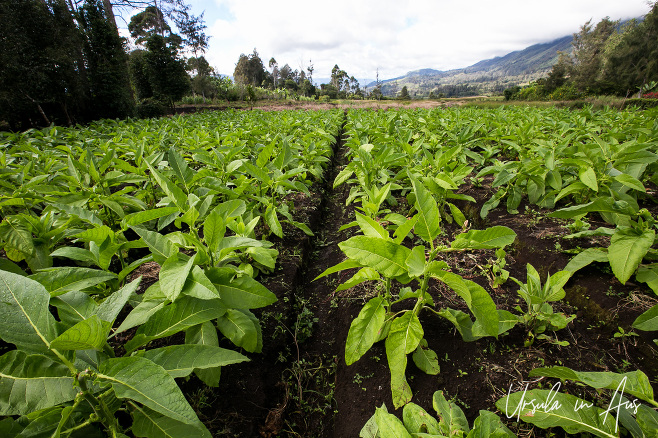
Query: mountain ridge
(486, 76)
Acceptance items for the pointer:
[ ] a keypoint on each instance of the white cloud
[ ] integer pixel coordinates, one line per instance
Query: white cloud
(394, 36)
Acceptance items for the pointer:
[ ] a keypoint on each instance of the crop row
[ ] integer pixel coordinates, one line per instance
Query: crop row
(83, 208)
(574, 165)
(202, 195)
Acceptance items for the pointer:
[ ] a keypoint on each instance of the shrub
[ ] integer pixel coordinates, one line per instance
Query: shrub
(150, 108)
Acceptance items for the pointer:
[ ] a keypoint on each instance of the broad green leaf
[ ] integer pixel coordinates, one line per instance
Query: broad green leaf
(9, 266)
(180, 167)
(478, 301)
(365, 329)
(273, 221)
(370, 429)
(343, 176)
(403, 230)
(491, 238)
(426, 359)
(60, 280)
(647, 419)
(389, 425)
(181, 315)
(205, 334)
(173, 192)
(585, 258)
(73, 307)
(81, 213)
(635, 383)
(415, 263)
(403, 338)
(110, 308)
(469, 331)
(140, 217)
(161, 247)
(452, 417)
(78, 254)
(302, 226)
(648, 321)
(97, 235)
(627, 249)
(140, 314)
(588, 177)
(173, 275)
(417, 420)
(240, 292)
(386, 257)
(231, 209)
(575, 187)
(599, 205)
(457, 214)
(29, 383)
(239, 329)
(347, 264)
(631, 182)
(258, 173)
(370, 227)
(26, 318)
(363, 274)
(89, 333)
(553, 290)
(151, 424)
(10, 428)
(554, 409)
(145, 382)
(428, 225)
(213, 230)
(648, 275)
(488, 425)
(181, 360)
(199, 286)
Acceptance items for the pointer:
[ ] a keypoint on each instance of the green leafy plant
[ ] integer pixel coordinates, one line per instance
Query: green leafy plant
(551, 408)
(538, 315)
(385, 259)
(64, 380)
(416, 422)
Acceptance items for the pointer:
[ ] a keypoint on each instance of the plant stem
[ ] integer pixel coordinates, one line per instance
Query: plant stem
(97, 404)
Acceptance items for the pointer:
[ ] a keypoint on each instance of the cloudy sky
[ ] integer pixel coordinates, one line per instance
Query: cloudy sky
(394, 36)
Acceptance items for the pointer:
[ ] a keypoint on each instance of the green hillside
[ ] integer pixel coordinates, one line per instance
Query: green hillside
(484, 77)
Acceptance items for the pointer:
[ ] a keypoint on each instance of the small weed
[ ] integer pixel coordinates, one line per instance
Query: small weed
(358, 378)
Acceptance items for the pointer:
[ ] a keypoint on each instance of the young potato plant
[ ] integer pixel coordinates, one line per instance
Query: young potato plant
(632, 405)
(382, 257)
(539, 316)
(416, 422)
(64, 380)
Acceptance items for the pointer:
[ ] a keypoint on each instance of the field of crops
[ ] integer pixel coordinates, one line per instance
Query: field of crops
(408, 272)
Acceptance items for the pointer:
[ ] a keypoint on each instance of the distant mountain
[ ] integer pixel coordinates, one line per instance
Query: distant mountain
(491, 75)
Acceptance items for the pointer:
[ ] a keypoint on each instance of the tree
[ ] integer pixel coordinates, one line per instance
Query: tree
(158, 72)
(249, 70)
(60, 65)
(275, 70)
(588, 50)
(404, 93)
(107, 64)
(201, 82)
(633, 61)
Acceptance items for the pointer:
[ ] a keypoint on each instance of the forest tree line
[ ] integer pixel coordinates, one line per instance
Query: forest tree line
(65, 62)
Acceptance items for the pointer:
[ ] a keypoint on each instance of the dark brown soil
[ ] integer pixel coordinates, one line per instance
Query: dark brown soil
(300, 386)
